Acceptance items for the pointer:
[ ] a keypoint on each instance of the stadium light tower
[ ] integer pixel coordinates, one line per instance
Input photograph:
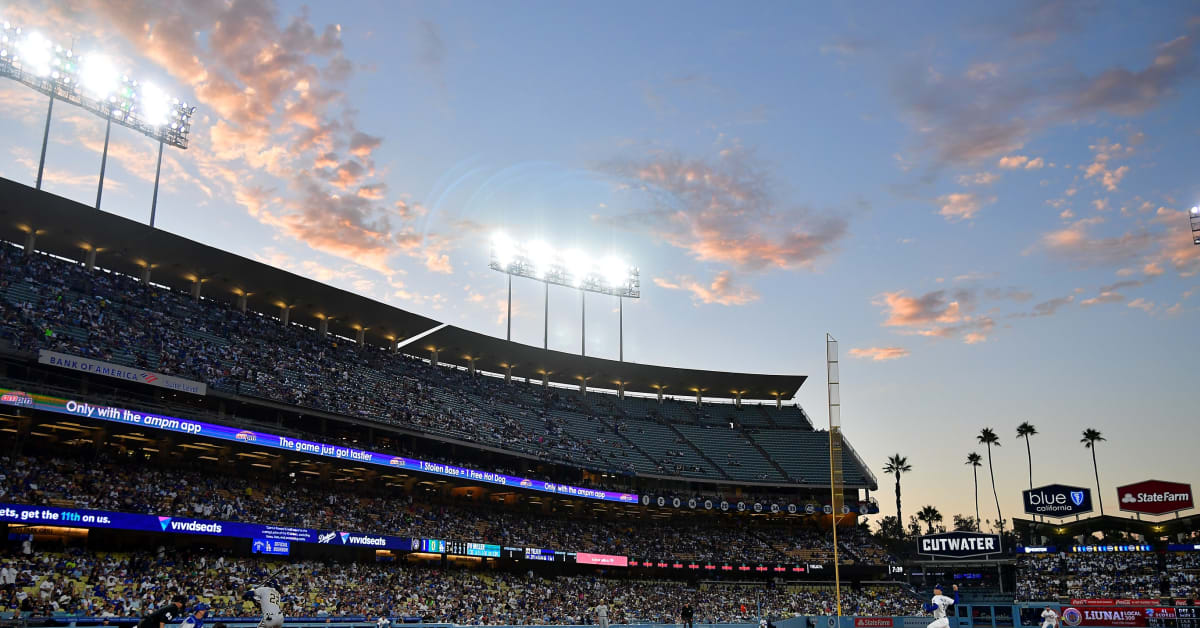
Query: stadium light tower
(1195, 218)
(570, 268)
(92, 82)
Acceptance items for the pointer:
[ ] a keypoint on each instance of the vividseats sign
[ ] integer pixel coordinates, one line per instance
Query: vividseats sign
(959, 544)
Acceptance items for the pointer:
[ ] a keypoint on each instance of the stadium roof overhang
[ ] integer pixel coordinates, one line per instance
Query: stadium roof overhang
(69, 229)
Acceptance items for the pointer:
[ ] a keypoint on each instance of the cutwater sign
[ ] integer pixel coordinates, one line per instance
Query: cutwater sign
(959, 544)
(127, 373)
(1057, 500)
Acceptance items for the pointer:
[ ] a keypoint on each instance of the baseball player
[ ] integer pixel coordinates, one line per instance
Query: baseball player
(267, 596)
(1049, 618)
(937, 605)
(196, 619)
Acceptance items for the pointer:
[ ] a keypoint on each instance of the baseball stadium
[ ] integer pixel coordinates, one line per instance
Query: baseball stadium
(194, 435)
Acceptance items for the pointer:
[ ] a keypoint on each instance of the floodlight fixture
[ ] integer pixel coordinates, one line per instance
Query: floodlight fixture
(99, 77)
(94, 84)
(572, 268)
(1195, 220)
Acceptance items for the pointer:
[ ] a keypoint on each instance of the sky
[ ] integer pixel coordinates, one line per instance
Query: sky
(986, 204)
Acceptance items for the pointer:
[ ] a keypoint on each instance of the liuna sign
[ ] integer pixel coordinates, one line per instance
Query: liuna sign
(1155, 497)
(1057, 500)
(959, 544)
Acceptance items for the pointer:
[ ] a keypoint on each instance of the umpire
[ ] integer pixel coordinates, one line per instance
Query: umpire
(168, 614)
(687, 615)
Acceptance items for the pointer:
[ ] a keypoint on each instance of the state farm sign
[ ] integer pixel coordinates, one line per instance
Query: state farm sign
(1155, 497)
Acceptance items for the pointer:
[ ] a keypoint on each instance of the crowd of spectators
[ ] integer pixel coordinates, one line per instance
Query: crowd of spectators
(79, 582)
(1183, 572)
(49, 303)
(1093, 575)
(89, 480)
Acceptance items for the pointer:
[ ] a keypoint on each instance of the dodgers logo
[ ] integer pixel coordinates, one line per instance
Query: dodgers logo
(1077, 497)
(164, 522)
(327, 537)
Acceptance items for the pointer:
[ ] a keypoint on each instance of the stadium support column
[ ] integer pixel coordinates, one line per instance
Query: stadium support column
(45, 139)
(737, 399)
(104, 156)
(507, 373)
(285, 313)
(145, 274)
(89, 259)
(157, 171)
(30, 241)
(698, 404)
(471, 365)
(508, 332)
(545, 379)
(621, 390)
(196, 289)
(433, 357)
(546, 318)
(583, 323)
(323, 327)
(241, 303)
(620, 329)
(360, 336)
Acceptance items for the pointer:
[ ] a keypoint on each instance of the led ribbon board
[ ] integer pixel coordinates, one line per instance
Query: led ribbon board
(122, 416)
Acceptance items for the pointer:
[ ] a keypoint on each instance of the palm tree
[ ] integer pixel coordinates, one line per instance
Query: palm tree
(987, 436)
(930, 516)
(1025, 430)
(974, 459)
(896, 465)
(1089, 440)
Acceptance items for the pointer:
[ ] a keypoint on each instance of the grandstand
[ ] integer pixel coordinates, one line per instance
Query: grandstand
(106, 307)
(709, 497)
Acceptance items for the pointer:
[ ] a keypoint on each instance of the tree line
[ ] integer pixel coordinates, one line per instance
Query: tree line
(897, 465)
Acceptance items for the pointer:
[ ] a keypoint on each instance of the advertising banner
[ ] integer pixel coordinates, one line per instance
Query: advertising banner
(1057, 500)
(959, 544)
(1112, 602)
(1128, 616)
(584, 558)
(873, 622)
(127, 373)
(1155, 497)
(86, 410)
(82, 518)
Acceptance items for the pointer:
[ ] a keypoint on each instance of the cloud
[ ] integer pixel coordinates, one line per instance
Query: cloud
(1142, 304)
(1052, 306)
(1103, 297)
(721, 290)
(958, 120)
(880, 354)
(1010, 293)
(725, 211)
(1035, 164)
(1076, 244)
(270, 88)
(929, 308)
(979, 178)
(982, 71)
(1013, 162)
(962, 206)
(1099, 168)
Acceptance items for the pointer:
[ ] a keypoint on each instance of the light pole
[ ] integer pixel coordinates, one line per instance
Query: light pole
(572, 269)
(92, 83)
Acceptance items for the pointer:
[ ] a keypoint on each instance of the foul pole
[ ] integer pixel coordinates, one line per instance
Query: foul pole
(835, 455)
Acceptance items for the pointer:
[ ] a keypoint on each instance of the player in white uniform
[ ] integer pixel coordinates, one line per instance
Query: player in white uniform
(1049, 618)
(267, 597)
(938, 605)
